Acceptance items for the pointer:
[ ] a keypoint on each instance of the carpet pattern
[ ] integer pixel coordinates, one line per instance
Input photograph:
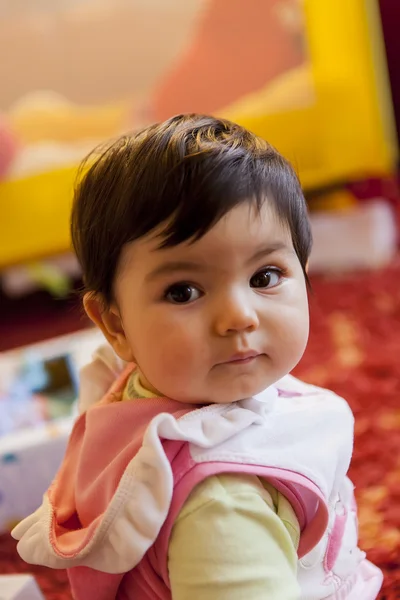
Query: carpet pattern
(354, 350)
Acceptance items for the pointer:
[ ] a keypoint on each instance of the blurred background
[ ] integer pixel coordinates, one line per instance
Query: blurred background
(321, 81)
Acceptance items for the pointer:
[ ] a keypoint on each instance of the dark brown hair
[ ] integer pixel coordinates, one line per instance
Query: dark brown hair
(185, 173)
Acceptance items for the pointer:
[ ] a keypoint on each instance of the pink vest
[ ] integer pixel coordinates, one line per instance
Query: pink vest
(130, 466)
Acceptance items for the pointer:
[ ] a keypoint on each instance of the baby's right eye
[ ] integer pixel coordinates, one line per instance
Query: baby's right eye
(182, 293)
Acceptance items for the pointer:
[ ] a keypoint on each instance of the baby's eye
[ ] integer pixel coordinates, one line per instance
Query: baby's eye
(182, 293)
(266, 278)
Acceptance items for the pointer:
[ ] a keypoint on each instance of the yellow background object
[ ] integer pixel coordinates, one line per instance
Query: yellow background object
(67, 123)
(337, 201)
(343, 130)
(34, 216)
(348, 131)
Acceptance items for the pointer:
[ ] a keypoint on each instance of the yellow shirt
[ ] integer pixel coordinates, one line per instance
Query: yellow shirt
(235, 538)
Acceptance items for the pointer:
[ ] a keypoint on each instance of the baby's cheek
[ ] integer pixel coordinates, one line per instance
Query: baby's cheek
(176, 350)
(290, 348)
(292, 326)
(180, 359)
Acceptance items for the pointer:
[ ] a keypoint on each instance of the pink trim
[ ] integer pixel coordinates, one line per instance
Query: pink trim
(312, 514)
(335, 540)
(288, 394)
(294, 498)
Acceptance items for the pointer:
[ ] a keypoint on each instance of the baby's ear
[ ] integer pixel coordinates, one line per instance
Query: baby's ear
(108, 319)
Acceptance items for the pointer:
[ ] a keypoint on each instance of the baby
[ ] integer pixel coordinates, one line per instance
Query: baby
(199, 469)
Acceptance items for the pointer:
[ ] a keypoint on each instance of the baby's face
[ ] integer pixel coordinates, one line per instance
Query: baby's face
(220, 319)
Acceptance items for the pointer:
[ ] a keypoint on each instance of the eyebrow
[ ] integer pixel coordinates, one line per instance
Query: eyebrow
(176, 266)
(266, 251)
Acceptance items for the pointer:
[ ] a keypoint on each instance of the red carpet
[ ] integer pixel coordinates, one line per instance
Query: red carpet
(355, 350)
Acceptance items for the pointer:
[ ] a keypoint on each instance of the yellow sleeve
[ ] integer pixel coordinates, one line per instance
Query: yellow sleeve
(234, 539)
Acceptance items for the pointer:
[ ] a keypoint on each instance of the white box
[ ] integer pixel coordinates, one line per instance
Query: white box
(362, 237)
(30, 457)
(19, 587)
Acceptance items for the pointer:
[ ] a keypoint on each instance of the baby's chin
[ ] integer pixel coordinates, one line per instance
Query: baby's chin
(211, 394)
(222, 398)
(204, 399)
(242, 394)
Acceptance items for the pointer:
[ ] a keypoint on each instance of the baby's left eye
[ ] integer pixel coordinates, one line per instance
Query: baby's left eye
(266, 278)
(182, 293)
